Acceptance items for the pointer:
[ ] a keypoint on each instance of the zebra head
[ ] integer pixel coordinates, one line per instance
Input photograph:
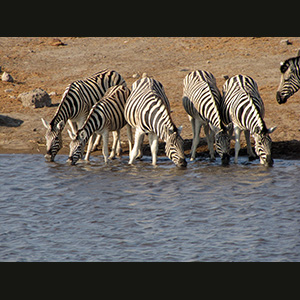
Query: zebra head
(223, 143)
(77, 145)
(53, 139)
(174, 146)
(290, 79)
(263, 144)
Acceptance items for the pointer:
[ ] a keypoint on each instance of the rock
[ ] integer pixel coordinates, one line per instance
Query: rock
(287, 42)
(7, 77)
(225, 77)
(37, 98)
(144, 75)
(56, 42)
(136, 75)
(8, 90)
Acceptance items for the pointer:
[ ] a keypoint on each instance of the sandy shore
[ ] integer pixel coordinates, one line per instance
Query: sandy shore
(41, 62)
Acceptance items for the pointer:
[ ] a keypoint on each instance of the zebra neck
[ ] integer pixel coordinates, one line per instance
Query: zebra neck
(165, 131)
(94, 121)
(64, 112)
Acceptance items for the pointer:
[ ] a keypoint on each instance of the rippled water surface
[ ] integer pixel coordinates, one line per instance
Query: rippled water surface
(93, 212)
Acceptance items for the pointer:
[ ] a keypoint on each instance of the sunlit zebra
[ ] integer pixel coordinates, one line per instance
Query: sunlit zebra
(242, 105)
(148, 111)
(76, 103)
(201, 100)
(105, 116)
(290, 79)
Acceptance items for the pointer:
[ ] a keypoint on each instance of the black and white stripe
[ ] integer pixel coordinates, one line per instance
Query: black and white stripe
(148, 111)
(76, 103)
(290, 79)
(105, 116)
(242, 105)
(201, 100)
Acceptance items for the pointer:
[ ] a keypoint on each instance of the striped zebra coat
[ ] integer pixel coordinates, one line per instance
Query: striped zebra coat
(148, 111)
(76, 103)
(105, 116)
(290, 79)
(242, 105)
(201, 100)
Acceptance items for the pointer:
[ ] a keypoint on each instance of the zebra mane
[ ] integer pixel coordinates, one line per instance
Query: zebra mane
(54, 119)
(262, 124)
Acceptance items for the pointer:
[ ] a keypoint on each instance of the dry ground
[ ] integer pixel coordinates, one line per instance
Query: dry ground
(40, 62)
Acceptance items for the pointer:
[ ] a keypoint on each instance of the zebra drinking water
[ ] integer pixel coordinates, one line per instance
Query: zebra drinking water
(242, 105)
(105, 116)
(290, 79)
(201, 100)
(76, 103)
(148, 111)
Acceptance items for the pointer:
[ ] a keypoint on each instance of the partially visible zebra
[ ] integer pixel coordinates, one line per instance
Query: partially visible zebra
(148, 111)
(76, 103)
(201, 100)
(105, 116)
(242, 105)
(290, 79)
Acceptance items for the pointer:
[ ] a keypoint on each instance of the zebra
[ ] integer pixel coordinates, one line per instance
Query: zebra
(76, 103)
(148, 111)
(105, 116)
(201, 100)
(242, 105)
(290, 79)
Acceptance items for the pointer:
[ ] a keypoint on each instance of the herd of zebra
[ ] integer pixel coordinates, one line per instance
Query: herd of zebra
(102, 103)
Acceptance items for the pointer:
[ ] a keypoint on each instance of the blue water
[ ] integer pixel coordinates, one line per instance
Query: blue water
(94, 212)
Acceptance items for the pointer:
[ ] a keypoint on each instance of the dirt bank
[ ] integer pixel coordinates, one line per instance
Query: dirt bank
(43, 62)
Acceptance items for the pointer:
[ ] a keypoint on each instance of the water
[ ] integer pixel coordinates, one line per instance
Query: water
(93, 212)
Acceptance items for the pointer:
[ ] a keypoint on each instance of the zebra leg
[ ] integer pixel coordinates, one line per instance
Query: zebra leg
(210, 141)
(116, 143)
(139, 137)
(97, 142)
(89, 148)
(153, 140)
(249, 148)
(237, 146)
(105, 135)
(196, 125)
(140, 151)
(129, 135)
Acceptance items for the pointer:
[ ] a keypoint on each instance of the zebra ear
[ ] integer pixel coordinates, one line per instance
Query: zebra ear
(46, 124)
(272, 129)
(72, 135)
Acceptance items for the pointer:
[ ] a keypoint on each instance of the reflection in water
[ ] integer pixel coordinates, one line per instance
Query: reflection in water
(117, 212)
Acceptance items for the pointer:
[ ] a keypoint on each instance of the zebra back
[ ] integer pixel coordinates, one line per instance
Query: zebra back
(81, 95)
(201, 97)
(242, 104)
(148, 107)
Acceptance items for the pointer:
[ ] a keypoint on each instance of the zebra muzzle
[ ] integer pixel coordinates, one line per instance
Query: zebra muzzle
(225, 159)
(49, 157)
(280, 99)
